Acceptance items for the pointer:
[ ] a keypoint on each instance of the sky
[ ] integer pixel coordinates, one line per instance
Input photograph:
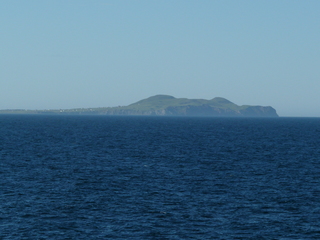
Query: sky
(61, 54)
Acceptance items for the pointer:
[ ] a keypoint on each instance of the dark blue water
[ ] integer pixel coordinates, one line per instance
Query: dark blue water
(98, 177)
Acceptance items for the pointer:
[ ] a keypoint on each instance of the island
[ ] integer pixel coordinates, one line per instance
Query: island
(165, 105)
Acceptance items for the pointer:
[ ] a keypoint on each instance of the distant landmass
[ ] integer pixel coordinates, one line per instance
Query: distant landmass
(165, 105)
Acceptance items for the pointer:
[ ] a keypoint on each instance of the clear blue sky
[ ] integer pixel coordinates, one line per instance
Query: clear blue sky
(97, 53)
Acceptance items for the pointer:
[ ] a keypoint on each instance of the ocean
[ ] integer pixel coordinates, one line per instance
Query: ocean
(112, 177)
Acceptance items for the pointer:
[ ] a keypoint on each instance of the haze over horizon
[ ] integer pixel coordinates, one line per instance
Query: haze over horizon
(71, 54)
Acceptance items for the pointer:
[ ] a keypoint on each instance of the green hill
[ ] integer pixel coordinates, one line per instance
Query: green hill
(170, 106)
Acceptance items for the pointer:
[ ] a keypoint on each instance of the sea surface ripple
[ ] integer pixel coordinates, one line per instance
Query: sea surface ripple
(104, 177)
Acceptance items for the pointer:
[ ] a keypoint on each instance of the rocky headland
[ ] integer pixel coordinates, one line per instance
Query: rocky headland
(165, 105)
